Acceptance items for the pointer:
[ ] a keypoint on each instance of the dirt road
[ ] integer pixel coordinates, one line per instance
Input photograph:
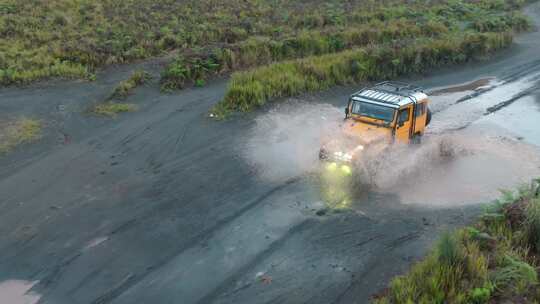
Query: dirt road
(162, 205)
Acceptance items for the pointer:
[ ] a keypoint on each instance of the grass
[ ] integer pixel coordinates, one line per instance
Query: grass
(389, 41)
(112, 109)
(111, 106)
(72, 38)
(18, 132)
(125, 87)
(494, 261)
(250, 89)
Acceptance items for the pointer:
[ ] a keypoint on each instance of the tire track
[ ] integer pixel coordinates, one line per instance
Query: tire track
(137, 278)
(275, 246)
(523, 71)
(510, 101)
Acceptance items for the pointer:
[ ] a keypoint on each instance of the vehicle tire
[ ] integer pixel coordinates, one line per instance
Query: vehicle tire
(428, 116)
(417, 139)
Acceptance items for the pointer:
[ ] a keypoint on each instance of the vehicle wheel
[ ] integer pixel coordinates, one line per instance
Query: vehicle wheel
(428, 116)
(417, 139)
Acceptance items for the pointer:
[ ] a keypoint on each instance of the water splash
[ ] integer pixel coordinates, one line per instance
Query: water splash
(464, 158)
(18, 292)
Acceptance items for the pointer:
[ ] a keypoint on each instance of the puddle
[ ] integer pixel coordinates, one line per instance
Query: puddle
(520, 119)
(488, 152)
(461, 115)
(18, 292)
(466, 87)
(485, 162)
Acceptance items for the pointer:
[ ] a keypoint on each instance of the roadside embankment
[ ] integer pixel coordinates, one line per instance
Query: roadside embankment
(494, 261)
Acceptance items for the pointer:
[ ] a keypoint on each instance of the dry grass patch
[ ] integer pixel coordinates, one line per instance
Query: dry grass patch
(111, 109)
(18, 132)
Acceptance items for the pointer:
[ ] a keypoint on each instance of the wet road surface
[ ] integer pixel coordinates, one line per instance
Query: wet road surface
(161, 205)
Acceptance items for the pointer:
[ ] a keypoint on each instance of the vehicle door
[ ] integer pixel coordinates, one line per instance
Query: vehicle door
(420, 117)
(403, 125)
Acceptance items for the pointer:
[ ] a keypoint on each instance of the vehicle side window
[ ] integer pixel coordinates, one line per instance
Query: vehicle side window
(420, 109)
(403, 116)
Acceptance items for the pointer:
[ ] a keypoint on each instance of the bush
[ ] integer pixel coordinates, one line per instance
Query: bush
(532, 224)
(515, 274)
(455, 272)
(182, 71)
(449, 251)
(125, 87)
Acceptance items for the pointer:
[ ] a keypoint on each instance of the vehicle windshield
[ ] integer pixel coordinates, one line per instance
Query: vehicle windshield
(373, 111)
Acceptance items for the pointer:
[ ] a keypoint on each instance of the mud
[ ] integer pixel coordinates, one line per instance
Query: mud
(166, 205)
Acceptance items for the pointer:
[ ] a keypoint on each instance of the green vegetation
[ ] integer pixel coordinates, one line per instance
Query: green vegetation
(183, 71)
(387, 42)
(254, 88)
(111, 109)
(495, 261)
(71, 38)
(125, 87)
(18, 132)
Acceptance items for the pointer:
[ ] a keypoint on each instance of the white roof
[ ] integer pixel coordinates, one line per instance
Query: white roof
(388, 98)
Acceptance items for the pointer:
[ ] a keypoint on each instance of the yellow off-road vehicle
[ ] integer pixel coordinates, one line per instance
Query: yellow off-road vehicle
(375, 118)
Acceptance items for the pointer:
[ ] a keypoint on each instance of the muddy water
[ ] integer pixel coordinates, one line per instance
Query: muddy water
(483, 138)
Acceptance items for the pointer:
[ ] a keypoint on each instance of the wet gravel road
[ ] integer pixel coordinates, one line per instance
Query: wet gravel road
(159, 206)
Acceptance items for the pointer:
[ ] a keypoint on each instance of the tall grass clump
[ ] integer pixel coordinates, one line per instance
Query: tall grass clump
(183, 71)
(494, 261)
(532, 224)
(455, 272)
(254, 88)
(125, 87)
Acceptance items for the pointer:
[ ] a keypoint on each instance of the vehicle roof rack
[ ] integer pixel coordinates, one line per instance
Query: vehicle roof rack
(397, 87)
(390, 92)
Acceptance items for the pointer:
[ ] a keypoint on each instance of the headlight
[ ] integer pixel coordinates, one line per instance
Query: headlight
(347, 157)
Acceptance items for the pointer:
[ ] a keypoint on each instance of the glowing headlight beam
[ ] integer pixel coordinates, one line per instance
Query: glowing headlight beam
(346, 169)
(331, 166)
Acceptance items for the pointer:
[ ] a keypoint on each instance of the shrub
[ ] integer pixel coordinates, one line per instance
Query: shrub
(514, 274)
(182, 71)
(532, 224)
(125, 87)
(449, 251)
